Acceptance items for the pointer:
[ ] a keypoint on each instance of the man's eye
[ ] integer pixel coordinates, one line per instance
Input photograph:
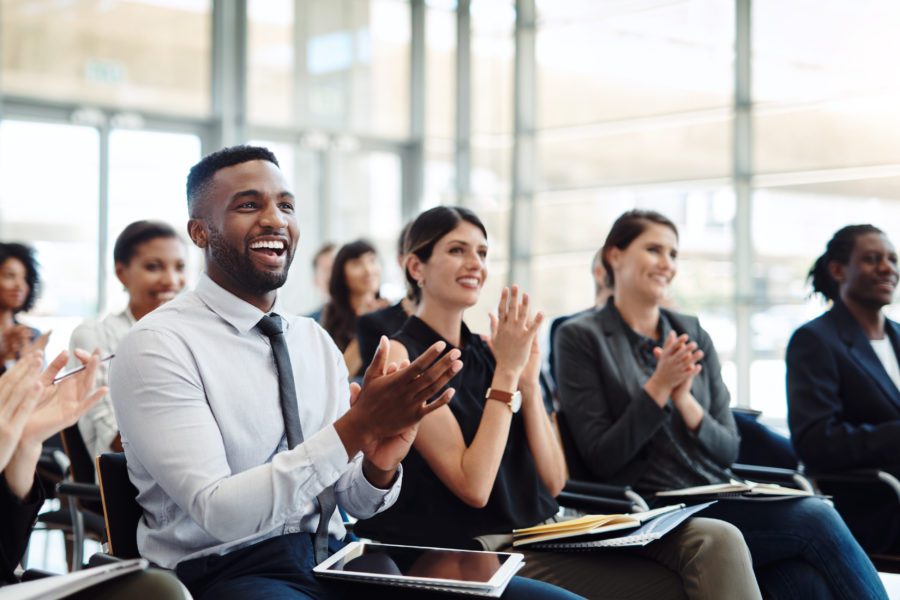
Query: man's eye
(287, 206)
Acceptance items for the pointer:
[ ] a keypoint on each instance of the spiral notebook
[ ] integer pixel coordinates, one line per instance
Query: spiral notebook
(650, 531)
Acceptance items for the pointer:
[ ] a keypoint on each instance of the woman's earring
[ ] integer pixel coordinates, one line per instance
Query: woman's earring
(420, 283)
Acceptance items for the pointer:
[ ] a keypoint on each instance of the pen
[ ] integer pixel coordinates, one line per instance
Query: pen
(77, 370)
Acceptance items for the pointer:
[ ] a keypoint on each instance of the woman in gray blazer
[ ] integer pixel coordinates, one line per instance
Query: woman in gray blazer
(642, 390)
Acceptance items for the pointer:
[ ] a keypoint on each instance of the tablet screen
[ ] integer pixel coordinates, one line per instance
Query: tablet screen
(429, 563)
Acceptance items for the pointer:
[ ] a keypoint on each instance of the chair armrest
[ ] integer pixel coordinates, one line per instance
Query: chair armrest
(595, 504)
(868, 475)
(34, 574)
(101, 558)
(600, 497)
(83, 491)
(786, 477)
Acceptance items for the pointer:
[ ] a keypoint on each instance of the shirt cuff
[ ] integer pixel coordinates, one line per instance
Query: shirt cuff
(326, 453)
(374, 499)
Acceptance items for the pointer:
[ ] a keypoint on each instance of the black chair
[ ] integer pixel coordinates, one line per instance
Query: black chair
(120, 507)
(580, 493)
(852, 488)
(82, 495)
(580, 475)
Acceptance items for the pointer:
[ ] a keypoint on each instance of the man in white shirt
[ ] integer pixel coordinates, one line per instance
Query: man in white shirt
(227, 501)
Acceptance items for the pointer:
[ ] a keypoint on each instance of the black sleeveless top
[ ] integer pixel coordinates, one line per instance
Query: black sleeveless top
(427, 512)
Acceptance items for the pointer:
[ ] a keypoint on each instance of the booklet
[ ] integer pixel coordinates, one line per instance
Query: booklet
(588, 525)
(438, 569)
(60, 586)
(736, 489)
(659, 523)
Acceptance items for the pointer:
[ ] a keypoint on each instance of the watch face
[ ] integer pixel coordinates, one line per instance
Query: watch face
(515, 402)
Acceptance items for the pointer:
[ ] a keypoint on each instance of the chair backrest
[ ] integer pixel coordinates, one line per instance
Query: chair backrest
(80, 463)
(574, 462)
(120, 507)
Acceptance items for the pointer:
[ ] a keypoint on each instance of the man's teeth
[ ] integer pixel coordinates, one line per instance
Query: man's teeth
(271, 244)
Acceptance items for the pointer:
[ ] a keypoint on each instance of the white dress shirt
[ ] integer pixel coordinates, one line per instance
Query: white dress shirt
(888, 358)
(98, 426)
(195, 391)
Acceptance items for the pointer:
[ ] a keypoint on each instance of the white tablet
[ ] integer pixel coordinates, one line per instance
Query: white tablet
(417, 566)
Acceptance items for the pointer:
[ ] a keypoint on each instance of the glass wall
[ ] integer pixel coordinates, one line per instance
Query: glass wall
(634, 107)
(128, 54)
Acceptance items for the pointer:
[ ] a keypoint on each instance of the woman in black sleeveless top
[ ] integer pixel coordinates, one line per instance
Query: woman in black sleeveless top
(489, 462)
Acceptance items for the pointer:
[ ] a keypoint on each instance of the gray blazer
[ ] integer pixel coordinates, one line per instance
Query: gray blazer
(611, 417)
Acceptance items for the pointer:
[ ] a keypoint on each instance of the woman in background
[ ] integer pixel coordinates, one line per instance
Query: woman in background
(19, 288)
(354, 284)
(150, 263)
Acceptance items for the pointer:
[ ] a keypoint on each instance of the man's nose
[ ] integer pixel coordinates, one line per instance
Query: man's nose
(273, 216)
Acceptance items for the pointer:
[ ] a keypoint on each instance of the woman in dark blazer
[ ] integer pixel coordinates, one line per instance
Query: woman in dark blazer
(842, 380)
(641, 388)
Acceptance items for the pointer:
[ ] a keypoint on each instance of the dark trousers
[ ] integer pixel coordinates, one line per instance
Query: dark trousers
(281, 567)
(801, 548)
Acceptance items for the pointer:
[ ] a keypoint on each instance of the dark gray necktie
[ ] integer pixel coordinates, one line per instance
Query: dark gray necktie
(270, 325)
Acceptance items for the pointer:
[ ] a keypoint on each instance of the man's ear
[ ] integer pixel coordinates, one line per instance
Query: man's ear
(198, 233)
(837, 271)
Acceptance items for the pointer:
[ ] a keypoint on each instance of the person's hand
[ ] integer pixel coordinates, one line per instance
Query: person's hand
(57, 407)
(393, 400)
(20, 392)
(15, 339)
(512, 332)
(385, 454)
(682, 391)
(676, 363)
(37, 344)
(531, 374)
(62, 404)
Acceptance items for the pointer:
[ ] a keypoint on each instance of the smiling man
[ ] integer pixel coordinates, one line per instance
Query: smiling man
(236, 416)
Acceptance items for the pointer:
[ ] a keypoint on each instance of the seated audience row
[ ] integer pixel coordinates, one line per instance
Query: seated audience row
(242, 434)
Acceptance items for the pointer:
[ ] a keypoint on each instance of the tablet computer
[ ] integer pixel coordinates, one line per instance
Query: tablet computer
(419, 566)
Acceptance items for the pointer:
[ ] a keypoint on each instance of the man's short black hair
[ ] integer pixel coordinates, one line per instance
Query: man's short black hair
(201, 174)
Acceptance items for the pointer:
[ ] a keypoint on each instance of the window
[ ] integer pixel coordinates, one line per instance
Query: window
(127, 54)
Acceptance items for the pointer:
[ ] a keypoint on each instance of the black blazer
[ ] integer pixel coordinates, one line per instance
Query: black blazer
(371, 326)
(15, 526)
(843, 408)
(611, 417)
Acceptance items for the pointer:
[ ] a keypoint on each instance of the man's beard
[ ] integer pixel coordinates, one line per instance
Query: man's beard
(241, 268)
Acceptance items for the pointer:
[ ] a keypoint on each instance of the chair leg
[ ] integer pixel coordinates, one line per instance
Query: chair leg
(77, 536)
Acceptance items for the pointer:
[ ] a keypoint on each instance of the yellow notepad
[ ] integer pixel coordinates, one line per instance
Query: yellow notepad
(587, 525)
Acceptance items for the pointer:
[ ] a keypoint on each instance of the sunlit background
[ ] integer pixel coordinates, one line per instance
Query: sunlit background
(759, 128)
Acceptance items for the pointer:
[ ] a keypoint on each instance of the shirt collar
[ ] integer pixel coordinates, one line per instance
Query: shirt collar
(420, 329)
(238, 313)
(636, 338)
